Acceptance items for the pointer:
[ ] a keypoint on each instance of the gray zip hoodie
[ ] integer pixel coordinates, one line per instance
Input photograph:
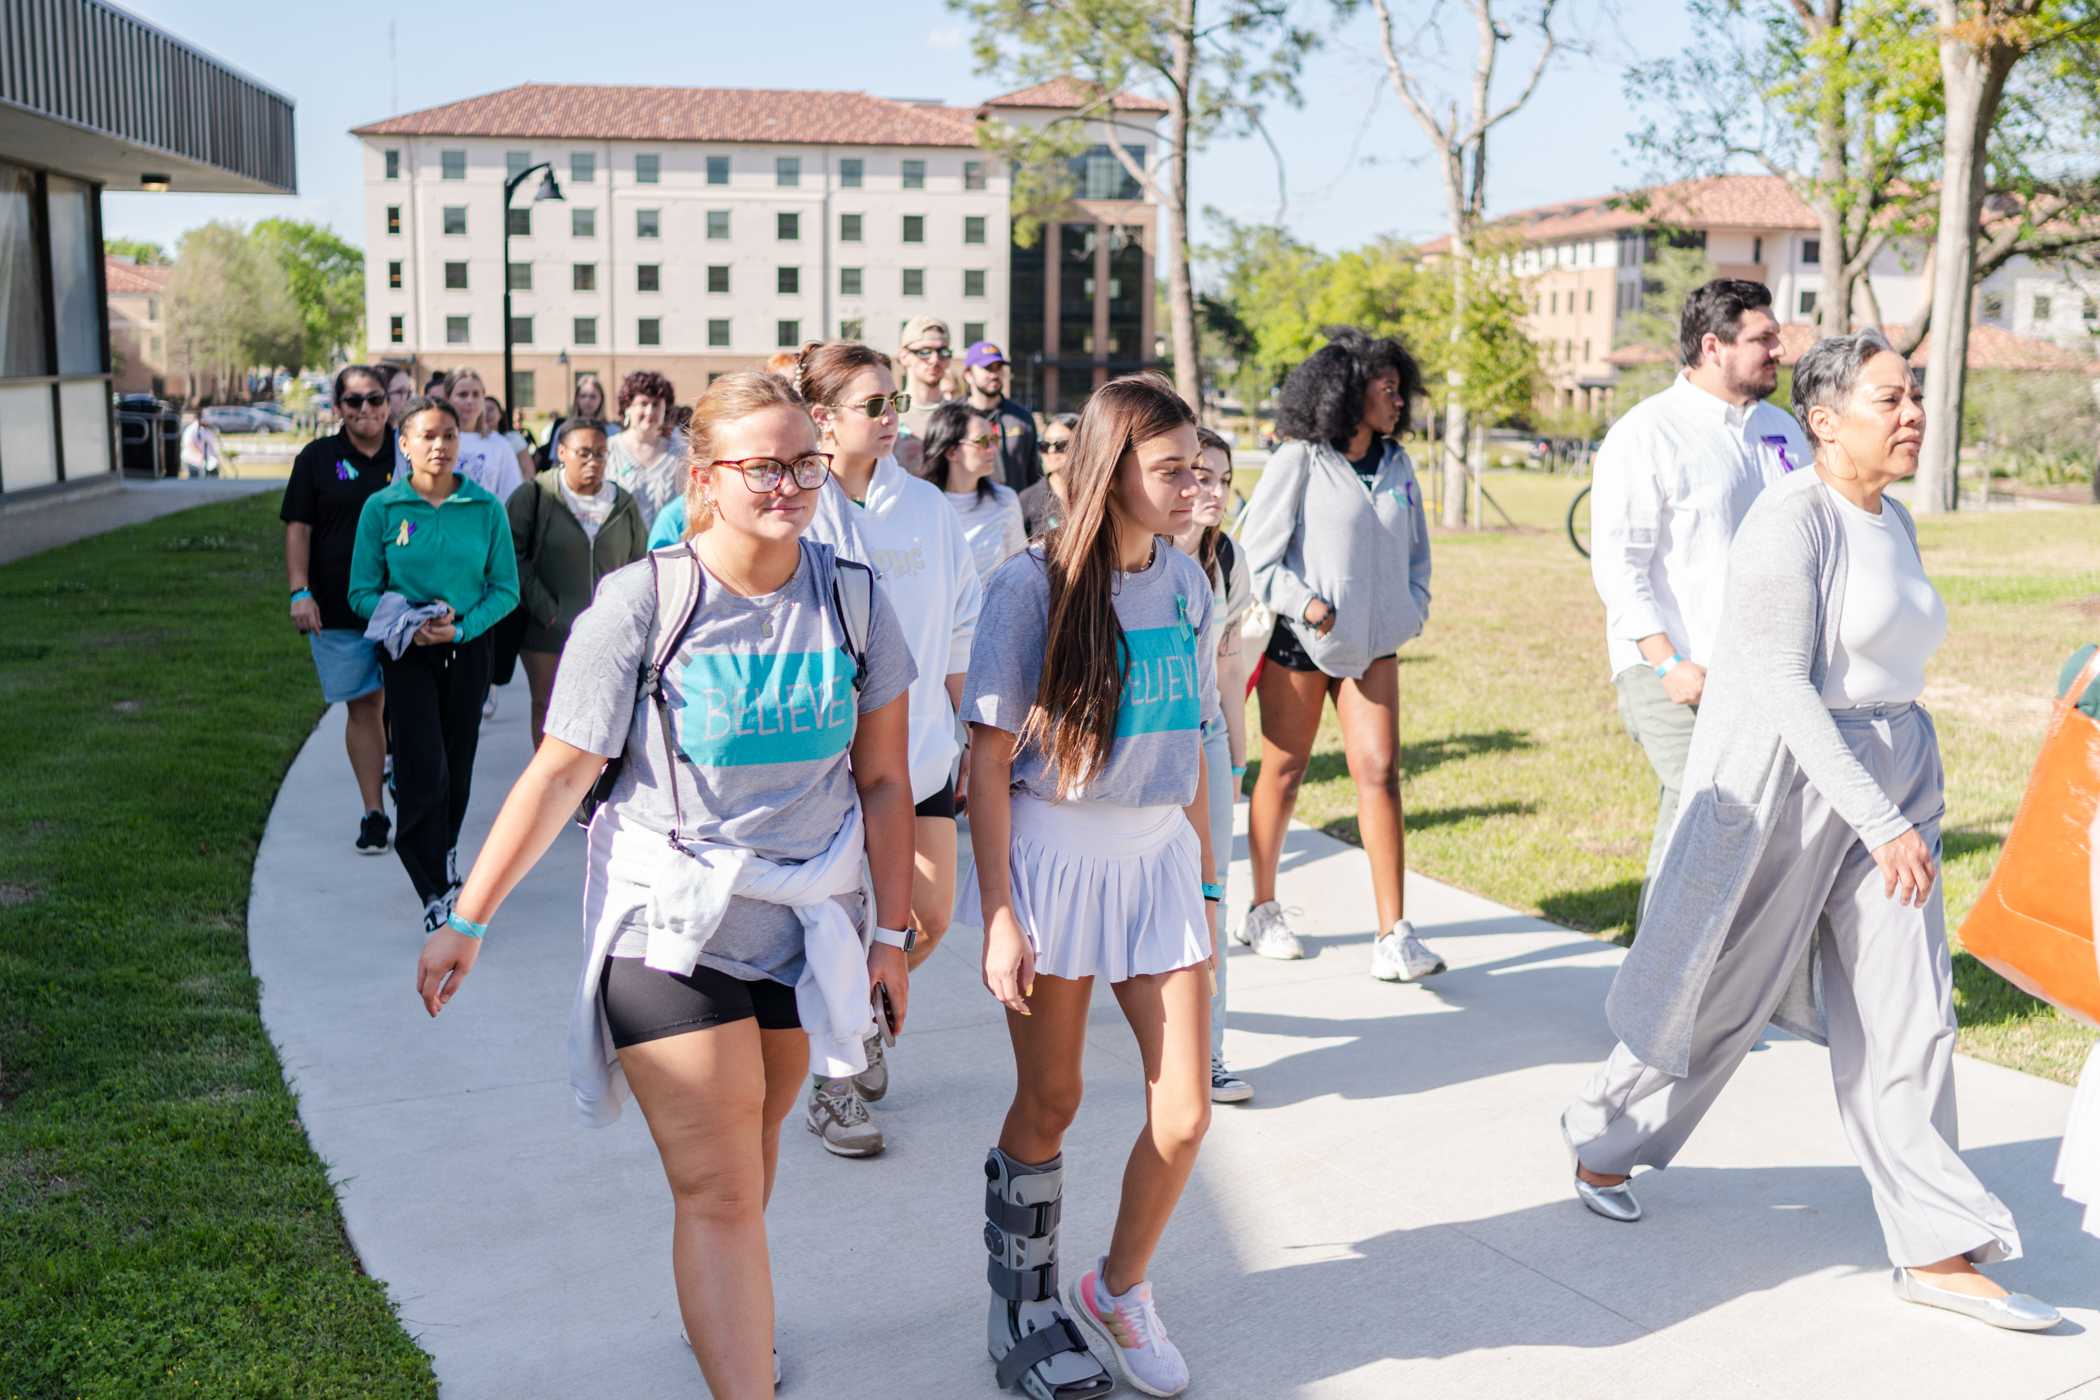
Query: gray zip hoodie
(1313, 531)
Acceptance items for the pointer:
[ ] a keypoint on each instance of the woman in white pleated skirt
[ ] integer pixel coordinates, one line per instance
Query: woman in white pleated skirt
(1091, 681)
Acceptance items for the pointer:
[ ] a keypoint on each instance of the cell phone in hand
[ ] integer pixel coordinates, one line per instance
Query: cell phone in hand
(885, 1018)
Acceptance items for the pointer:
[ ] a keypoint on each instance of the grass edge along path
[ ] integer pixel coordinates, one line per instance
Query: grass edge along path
(165, 1225)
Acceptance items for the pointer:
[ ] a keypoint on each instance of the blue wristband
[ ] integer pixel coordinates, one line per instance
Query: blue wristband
(1239, 770)
(306, 593)
(1213, 891)
(460, 924)
(1668, 666)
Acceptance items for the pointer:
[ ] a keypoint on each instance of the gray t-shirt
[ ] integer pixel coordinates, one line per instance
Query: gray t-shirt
(1170, 684)
(764, 725)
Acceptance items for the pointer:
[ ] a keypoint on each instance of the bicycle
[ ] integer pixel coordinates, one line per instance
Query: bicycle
(1579, 522)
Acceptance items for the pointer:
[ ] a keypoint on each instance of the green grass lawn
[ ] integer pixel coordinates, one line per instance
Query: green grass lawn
(164, 1225)
(1521, 784)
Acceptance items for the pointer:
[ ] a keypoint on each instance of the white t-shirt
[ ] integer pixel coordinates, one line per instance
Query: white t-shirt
(200, 445)
(490, 462)
(1893, 619)
(992, 523)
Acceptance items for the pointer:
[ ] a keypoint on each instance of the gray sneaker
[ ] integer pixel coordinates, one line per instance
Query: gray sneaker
(874, 1081)
(840, 1119)
(1225, 1086)
(1269, 934)
(1399, 956)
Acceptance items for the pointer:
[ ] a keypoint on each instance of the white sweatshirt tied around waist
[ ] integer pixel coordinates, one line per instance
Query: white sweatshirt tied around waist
(688, 894)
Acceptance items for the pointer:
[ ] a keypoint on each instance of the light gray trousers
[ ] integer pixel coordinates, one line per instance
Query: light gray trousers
(1887, 993)
(1663, 729)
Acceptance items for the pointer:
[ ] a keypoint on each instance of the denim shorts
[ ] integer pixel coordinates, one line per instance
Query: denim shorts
(347, 664)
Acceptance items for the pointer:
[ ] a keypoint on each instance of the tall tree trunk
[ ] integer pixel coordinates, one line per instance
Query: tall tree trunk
(1455, 427)
(1834, 303)
(1181, 293)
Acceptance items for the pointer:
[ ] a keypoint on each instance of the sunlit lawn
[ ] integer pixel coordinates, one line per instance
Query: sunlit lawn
(1522, 785)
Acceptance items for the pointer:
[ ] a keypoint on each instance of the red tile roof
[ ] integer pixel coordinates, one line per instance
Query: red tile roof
(595, 112)
(1716, 202)
(125, 278)
(1990, 347)
(1071, 92)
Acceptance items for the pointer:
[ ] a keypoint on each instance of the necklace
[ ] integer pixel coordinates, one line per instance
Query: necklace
(744, 591)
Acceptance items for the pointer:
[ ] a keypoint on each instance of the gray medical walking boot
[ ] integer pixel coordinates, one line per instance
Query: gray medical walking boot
(1033, 1341)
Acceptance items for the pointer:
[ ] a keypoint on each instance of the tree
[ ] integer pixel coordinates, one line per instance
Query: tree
(1460, 141)
(143, 253)
(325, 278)
(229, 308)
(1214, 61)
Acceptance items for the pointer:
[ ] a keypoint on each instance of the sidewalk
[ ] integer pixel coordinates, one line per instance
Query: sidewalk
(32, 530)
(1390, 1216)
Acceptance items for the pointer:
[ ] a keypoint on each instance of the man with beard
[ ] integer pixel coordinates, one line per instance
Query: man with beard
(1674, 478)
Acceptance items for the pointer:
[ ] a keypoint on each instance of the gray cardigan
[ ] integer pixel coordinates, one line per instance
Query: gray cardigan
(1313, 531)
(1761, 722)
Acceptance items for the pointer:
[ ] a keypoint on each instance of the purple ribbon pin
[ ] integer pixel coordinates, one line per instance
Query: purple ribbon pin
(1777, 442)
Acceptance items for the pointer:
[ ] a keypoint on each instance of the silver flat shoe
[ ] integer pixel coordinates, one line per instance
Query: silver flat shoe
(2015, 1312)
(1611, 1202)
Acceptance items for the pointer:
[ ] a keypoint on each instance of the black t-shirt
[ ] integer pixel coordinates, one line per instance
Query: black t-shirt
(328, 488)
(1366, 466)
(1020, 463)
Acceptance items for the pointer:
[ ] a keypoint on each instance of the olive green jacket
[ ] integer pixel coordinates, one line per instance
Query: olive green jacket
(560, 567)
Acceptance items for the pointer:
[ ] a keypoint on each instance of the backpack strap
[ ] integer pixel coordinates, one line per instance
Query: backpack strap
(1227, 553)
(675, 587)
(853, 599)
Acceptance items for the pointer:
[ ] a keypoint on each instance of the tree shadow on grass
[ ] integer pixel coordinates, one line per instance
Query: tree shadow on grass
(1429, 818)
(1607, 909)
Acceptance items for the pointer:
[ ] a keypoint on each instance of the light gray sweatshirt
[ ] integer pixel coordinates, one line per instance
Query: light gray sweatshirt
(1314, 531)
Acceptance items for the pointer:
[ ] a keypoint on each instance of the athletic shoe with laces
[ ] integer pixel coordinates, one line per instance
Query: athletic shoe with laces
(373, 834)
(1399, 956)
(874, 1081)
(434, 915)
(1268, 932)
(1225, 1086)
(1131, 1327)
(840, 1119)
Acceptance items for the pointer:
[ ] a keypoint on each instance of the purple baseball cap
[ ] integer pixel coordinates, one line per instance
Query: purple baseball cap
(983, 353)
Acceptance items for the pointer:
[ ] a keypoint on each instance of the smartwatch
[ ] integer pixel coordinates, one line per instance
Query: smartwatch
(905, 938)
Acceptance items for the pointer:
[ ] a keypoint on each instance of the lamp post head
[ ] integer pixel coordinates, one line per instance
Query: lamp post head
(548, 188)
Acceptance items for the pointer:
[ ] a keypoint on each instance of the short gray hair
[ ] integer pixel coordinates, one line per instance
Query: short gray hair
(1826, 376)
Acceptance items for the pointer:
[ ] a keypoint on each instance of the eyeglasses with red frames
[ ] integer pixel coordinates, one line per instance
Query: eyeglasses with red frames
(762, 474)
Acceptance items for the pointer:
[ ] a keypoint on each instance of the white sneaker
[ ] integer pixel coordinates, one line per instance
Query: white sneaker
(1225, 1086)
(1399, 956)
(1131, 1327)
(1269, 934)
(488, 706)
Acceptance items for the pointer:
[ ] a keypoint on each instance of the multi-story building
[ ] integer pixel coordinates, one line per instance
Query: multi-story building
(138, 330)
(700, 230)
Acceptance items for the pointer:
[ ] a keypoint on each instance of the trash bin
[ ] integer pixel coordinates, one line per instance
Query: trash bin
(139, 448)
(170, 440)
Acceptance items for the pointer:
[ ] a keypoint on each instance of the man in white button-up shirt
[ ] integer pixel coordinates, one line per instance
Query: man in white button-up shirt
(1674, 478)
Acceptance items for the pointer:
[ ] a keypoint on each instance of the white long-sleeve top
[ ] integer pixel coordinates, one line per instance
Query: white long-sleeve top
(1673, 480)
(1893, 618)
(905, 531)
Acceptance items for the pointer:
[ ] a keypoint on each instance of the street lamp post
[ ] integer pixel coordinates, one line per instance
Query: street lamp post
(548, 190)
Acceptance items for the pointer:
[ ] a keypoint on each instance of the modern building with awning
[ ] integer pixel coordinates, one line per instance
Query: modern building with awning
(94, 98)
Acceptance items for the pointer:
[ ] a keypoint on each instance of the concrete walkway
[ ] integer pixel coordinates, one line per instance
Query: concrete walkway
(1390, 1216)
(32, 528)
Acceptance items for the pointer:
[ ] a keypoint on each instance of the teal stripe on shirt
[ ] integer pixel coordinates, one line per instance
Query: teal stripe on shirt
(1159, 688)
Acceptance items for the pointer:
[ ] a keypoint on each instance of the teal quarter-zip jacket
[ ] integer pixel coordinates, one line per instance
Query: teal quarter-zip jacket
(457, 552)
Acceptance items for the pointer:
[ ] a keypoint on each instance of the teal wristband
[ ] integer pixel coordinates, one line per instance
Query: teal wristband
(1239, 770)
(466, 926)
(297, 594)
(1214, 892)
(1668, 666)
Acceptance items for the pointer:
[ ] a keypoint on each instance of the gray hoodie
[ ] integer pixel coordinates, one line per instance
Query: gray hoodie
(1313, 531)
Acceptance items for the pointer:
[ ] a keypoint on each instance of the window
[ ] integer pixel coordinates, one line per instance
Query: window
(1097, 174)
(718, 170)
(915, 174)
(914, 228)
(1589, 299)
(973, 174)
(583, 277)
(520, 222)
(1993, 307)
(787, 227)
(584, 330)
(521, 277)
(849, 281)
(648, 277)
(973, 331)
(973, 228)
(787, 172)
(718, 223)
(1811, 252)
(452, 165)
(521, 330)
(648, 170)
(850, 173)
(393, 282)
(915, 281)
(393, 165)
(849, 228)
(522, 387)
(2044, 309)
(396, 330)
(649, 330)
(718, 278)
(648, 223)
(1807, 304)
(1757, 250)
(852, 328)
(1585, 350)
(787, 334)
(455, 276)
(583, 167)
(514, 162)
(583, 223)
(787, 281)
(455, 330)
(973, 282)
(393, 218)
(1553, 303)
(718, 334)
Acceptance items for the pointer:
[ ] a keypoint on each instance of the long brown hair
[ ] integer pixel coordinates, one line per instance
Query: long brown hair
(1085, 654)
(1207, 542)
(728, 399)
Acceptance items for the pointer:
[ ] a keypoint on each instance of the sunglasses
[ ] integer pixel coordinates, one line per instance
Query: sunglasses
(927, 352)
(986, 440)
(763, 474)
(362, 400)
(1058, 448)
(874, 407)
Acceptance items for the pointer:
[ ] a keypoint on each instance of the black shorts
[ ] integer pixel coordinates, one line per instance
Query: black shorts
(644, 1004)
(1287, 651)
(941, 804)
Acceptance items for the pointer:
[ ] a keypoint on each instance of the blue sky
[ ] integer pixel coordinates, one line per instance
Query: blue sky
(1355, 163)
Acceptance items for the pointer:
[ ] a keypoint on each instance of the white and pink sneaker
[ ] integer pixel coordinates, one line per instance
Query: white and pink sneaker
(1130, 1325)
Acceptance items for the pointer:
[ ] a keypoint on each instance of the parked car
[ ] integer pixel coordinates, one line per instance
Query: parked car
(246, 418)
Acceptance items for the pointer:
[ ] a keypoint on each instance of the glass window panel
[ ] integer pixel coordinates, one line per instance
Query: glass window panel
(583, 277)
(648, 170)
(585, 330)
(649, 331)
(393, 165)
(520, 222)
(973, 282)
(915, 281)
(849, 228)
(521, 277)
(583, 167)
(521, 330)
(788, 335)
(718, 170)
(718, 334)
(973, 228)
(787, 227)
(455, 330)
(648, 277)
(849, 281)
(452, 165)
(648, 223)
(455, 219)
(787, 170)
(973, 174)
(515, 161)
(850, 173)
(787, 281)
(915, 174)
(75, 251)
(914, 228)
(455, 276)
(718, 223)
(718, 277)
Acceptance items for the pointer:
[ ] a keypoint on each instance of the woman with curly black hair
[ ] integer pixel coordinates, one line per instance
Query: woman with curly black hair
(1339, 549)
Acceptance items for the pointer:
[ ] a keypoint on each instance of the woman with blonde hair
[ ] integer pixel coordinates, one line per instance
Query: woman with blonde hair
(729, 926)
(486, 459)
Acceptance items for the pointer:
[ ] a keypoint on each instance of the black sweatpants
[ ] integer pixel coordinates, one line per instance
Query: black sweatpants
(434, 696)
